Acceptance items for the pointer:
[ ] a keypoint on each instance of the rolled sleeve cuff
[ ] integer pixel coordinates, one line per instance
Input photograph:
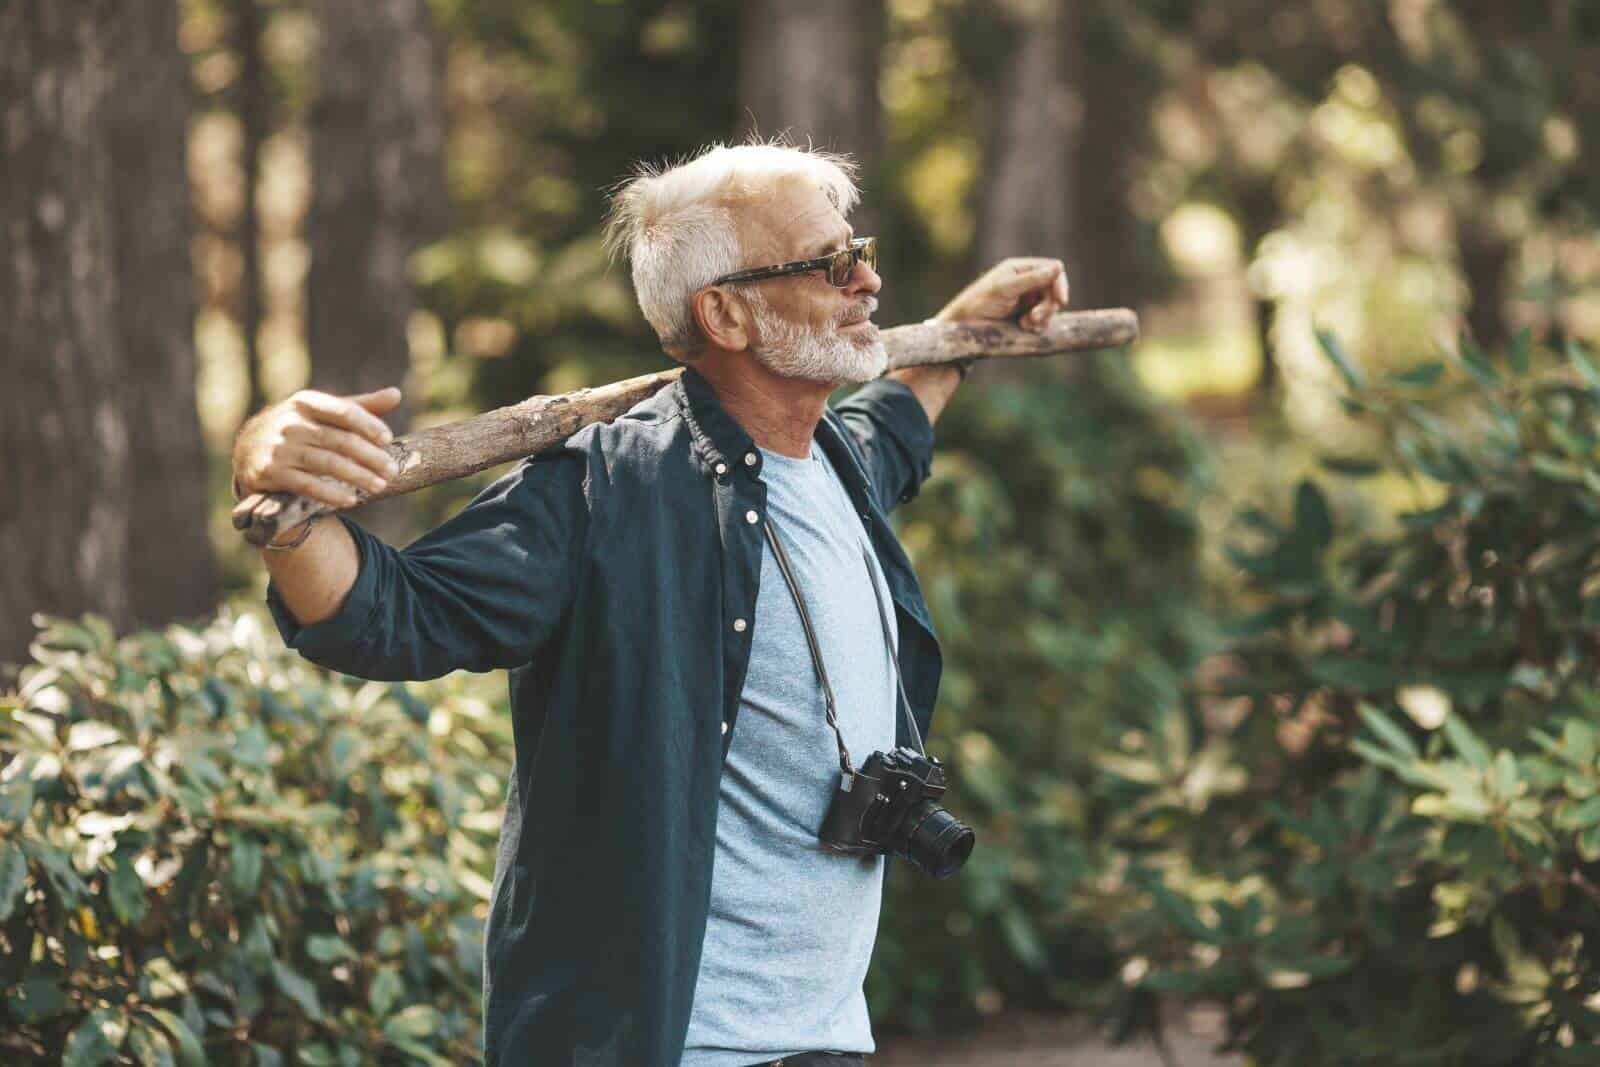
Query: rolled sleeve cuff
(346, 628)
(894, 407)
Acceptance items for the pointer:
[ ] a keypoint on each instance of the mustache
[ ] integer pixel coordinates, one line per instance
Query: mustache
(857, 312)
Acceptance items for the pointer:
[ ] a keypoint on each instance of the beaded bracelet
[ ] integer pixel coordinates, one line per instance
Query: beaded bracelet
(299, 540)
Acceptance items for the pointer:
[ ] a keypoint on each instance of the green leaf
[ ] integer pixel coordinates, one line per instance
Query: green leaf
(1019, 934)
(1311, 520)
(317, 1055)
(1476, 363)
(416, 1021)
(244, 865)
(16, 800)
(190, 1051)
(126, 890)
(1579, 357)
(1180, 911)
(87, 734)
(297, 988)
(326, 948)
(385, 990)
(150, 1046)
(1350, 466)
(1388, 731)
(1423, 374)
(1503, 774)
(1557, 470)
(1521, 347)
(162, 980)
(13, 877)
(1341, 361)
(421, 1052)
(1466, 743)
(95, 1040)
(37, 999)
(1582, 816)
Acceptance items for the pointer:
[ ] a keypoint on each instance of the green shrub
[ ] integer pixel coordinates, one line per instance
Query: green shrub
(1057, 544)
(1407, 870)
(212, 851)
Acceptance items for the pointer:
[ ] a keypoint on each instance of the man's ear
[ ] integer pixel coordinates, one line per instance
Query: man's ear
(723, 318)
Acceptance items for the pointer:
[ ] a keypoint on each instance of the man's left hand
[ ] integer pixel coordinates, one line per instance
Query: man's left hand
(1024, 291)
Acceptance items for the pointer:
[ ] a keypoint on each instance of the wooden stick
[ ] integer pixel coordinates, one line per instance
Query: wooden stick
(442, 453)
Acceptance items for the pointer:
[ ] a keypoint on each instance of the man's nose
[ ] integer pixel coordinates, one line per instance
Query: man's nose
(863, 279)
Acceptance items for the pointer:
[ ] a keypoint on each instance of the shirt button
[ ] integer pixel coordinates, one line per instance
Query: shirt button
(739, 625)
(749, 459)
(724, 725)
(722, 468)
(751, 517)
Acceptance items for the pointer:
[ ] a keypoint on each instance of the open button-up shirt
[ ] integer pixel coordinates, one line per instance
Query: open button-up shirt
(615, 577)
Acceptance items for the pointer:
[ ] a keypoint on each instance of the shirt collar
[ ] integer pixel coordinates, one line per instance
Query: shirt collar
(717, 437)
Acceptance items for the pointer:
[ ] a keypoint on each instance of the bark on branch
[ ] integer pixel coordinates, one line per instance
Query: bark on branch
(442, 453)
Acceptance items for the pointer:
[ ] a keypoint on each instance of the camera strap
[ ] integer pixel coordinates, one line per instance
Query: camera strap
(782, 558)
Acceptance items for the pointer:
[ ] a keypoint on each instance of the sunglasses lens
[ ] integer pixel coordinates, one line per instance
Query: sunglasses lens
(869, 253)
(839, 267)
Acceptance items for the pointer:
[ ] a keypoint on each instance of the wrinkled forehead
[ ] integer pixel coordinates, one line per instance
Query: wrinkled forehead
(787, 218)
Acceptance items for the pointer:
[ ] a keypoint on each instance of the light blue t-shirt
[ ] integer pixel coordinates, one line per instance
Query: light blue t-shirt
(791, 926)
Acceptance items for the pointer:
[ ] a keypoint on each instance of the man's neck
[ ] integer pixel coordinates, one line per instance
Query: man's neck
(780, 414)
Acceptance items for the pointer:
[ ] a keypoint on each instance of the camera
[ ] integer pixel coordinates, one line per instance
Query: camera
(890, 805)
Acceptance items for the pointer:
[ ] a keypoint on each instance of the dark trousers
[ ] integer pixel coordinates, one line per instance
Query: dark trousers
(817, 1059)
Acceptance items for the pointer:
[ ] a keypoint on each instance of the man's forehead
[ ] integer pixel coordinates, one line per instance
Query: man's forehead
(798, 218)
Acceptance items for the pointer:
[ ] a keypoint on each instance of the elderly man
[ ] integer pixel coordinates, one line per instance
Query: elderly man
(661, 895)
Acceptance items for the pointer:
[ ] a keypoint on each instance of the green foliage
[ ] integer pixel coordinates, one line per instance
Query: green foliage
(1408, 873)
(213, 852)
(1057, 547)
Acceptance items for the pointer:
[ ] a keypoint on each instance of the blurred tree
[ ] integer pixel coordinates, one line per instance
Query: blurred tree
(1112, 260)
(171, 570)
(378, 188)
(811, 71)
(1027, 194)
(66, 482)
(253, 105)
(377, 137)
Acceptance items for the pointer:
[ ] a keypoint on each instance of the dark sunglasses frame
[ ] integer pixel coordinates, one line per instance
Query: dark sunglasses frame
(837, 265)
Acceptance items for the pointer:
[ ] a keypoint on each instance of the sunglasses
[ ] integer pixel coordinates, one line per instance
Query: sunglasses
(837, 265)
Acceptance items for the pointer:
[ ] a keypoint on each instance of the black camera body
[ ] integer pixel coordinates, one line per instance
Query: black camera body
(890, 805)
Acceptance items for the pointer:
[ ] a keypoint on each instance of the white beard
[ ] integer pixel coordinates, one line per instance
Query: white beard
(793, 351)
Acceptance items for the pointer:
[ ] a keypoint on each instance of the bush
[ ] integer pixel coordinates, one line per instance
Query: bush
(212, 851)
(1058, 548)
(1406, 866)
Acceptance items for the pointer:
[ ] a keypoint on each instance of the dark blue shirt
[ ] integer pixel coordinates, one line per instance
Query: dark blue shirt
(606, 575)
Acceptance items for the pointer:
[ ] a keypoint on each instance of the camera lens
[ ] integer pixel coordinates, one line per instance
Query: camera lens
(940, 843)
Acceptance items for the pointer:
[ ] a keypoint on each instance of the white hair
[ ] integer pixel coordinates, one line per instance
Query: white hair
(676, 223)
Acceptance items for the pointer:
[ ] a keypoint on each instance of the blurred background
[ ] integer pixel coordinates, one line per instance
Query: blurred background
(210, 204)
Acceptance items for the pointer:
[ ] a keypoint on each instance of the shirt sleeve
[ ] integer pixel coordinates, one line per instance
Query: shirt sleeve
(481, 591)
(896, 438)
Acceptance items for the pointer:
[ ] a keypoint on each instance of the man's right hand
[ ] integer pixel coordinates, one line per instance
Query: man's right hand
(318, 446)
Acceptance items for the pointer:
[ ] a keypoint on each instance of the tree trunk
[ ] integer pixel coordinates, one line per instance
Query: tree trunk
(1028, 191)
(172, 574)
(810, 70)
(251, 104)
(378, 195)
(1485, 259)
(64, 479)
